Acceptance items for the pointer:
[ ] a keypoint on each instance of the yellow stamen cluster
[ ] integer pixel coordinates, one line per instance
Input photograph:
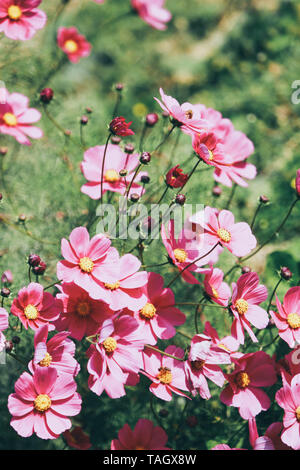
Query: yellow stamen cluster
(14, 12)
(211, 157)
(242, 379)
(71, 46)
(86, 264)
(109, 344)
(198, 365)
(111, 176)
(298, 414)
(148, 311)
(293, 320)
(164, 375)
(42, 403)
(189, 114)
(180, 255)
(112, 286)
(224, 235)
(46, 361)
(223, 346)
(10, 119)
(215, 293)
(83, 309)
(31, 312)
(242, 306)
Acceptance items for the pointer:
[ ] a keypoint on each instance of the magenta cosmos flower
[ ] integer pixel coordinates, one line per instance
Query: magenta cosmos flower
(152, 12)
(119, 126)
(252, 371)
(167, 374)
(210, 149)
(16, 118)
(287, 319)
(221, 228)
(73, 44)
(116, 359)
(81, 315)
(20, 19)
(87, 262)
(7, 277)
(185, 116)
(3, 326)
(159, 315)
(288, 398)
(125, 290)
(247, 293)
(35, 308)
(297, 183)
(145, 436)
(58, 352)
(217, 290)
(115, 161)
(77, 439)
(43, 402)
(225, 346)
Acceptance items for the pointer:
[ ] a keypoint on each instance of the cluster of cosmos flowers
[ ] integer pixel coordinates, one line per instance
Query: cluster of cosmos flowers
(123, 310)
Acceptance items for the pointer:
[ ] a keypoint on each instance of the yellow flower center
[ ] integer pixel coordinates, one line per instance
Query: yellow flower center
(140, 448)
(71, 46)
(31, 312)
(224, 235)
(180, 255)
(86, 264)
(14, 12)
(42, 402)
(198, 365)
(148, 311)
(298, 414)
(10, 119)
(113, 286)
(109, 344)
(242, 306)
(164, 375)
(189, 114)
(83, 309)
(211, 155)
(293, 320)
(215, 293)
(111, 176)
(46, 361)
(222, 346)
(242, 379)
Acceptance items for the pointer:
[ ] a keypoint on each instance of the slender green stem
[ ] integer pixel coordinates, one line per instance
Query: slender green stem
(103, 164)
(273, 293)
(147, 346)
(231, 196)
(17, 358)
(52, 285)
(56, 124)
(182, 333)
(255, 215)
(164, 139)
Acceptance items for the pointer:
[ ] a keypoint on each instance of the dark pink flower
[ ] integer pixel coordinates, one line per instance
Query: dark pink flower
(287, 319)
(152, 12)
(175, 177)
(119, 126)
(217, 290)
(3, 326)
(145, 436)
(73, 44)
(297, 183)
(20, 19)
(288, 398)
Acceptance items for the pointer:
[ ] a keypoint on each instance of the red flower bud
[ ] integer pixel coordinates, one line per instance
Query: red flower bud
(40, 269)
(46, 95)
(176, 178)
(118, 126)
(151, 119)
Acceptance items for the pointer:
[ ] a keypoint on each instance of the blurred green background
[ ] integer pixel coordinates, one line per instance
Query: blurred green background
(239, 57)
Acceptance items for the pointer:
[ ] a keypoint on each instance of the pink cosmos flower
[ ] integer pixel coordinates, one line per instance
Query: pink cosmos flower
(226, 346)
(81, 315)
(252, 371)
(16, 118)
(271, 439)
(7, 277)
(167, 374)
(145, 436)
(115, 161)
(87, 262)
(287, 319)
(297, 183)
(210, 149)
(273, 432)
(77, 439)
(73, 44)
(159, 315)
(20, 19)
(152, 12)
(58, 352)
(225, 447)
(43, 402)
(217, 290)
(3, 326)
(186, 116)
(119, 126)
(221, 228)
(116, 359)
(125, 290)
(35, 308)
(247, 293)
(288, 398)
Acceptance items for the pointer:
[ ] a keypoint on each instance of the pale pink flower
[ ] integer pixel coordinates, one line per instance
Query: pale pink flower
(247, 293)
(215, 123)
(35, 308)
(271, 439)
(115, 161)
(152, 12)
(287, 319)
(87, 262)
(145, 436)
(288, 398)
(225, 447)
(274, 432)
(221, 228)
(58, 352)
(116, 359)
(42, 403)
(167, 374)
(7, 277)
(185, 116)
(217, 290)
(81, 315)
(158, 317)
(16, 118)
(224, 347)
(73, 44)
(252, 371)
(20, 19)
(3, 326)
(125, 289)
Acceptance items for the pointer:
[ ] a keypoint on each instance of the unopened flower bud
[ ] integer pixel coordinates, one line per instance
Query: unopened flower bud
(129, 148)
(40, 269)
(180, 199)
(145, 158)
(89, 110)
(3, 151)
(217, 191)
(46, 95)
(5, 292)
(134, 197)
(115, 140)
(246, 269)
(119, 86)
(145, 179)
(151, 119)
(286, 273)
(165, 114)
(1, 196)
(264, 199)
(22, 218)
(123, 173)
(16, 339)
(34, 260)
(84, 120)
